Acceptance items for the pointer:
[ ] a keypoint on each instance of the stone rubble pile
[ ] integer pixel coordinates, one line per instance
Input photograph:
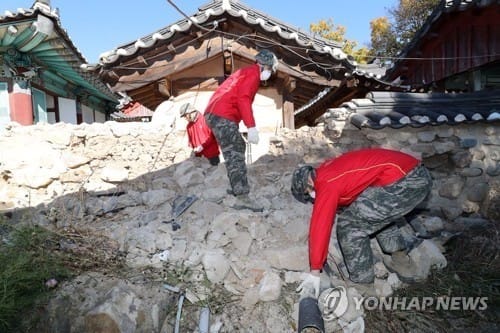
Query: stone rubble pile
(121, 179)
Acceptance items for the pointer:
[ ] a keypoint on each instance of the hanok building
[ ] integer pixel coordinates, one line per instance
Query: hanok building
(451, 66)
(187, 60)
(41, 79)
(457, 49)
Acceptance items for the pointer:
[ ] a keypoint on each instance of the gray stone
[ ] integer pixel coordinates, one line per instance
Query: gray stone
(461, 159)
(155, 198)
(425, 257)
(471, 172)
(445, 132)
(433, 223)
(470, 222)
(426, 136)
(382, 288)
(242, 243)
(117, 313)
(477, 192)
(493, 170)
(436, 161)
(294, 258)
(470, 207)
(451, 188)
(478, 155)
(492, 140)
(444, 147)
(426, 149)
(494, 155)
(380, 270)
(468, 143)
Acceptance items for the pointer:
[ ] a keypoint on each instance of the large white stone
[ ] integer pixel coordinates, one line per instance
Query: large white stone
(270, 287)
(216, 265)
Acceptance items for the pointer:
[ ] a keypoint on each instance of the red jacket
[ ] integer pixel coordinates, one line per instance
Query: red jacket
(339, 181)
(200, 134)
(233, 99)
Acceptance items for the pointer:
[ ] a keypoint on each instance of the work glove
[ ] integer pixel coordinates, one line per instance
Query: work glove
(198, 149)
(310, 285)
(253, 135)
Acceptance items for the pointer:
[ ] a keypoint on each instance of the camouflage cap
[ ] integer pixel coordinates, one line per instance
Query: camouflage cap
(299, 183)
(185, 109)
(267, 58)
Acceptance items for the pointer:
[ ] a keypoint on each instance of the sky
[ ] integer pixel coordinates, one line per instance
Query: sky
(98, 26)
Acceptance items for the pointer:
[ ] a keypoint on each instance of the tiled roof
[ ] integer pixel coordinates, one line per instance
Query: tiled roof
(133, 111)
(38, 7)
(218, 8)
(38, 32)
(399, 109)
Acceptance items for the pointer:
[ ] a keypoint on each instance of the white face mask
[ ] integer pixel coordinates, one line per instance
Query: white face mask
(265, 75)
(312, 194)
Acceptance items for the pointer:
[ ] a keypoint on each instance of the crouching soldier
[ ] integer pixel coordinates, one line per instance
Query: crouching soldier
(200, 136)
(375, 187)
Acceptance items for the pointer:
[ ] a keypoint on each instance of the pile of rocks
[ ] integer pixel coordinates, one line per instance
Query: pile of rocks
(121, 180)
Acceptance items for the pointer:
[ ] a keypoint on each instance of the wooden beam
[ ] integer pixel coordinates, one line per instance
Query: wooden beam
(209, 85)
(163, 68)
(198, 83)
(141, 59)
(289, 84)
(164, 88)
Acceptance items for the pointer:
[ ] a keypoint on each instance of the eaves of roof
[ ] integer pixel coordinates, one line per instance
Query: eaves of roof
(207, 16)
(399, 109)
(365, 81)
(37, 32)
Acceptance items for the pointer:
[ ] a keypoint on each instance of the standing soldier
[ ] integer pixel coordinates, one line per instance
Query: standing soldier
(230, 104)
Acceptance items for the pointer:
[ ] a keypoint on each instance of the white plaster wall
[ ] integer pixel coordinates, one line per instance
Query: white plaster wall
(87, 114)
(67, 110)
(100, 117)
(51, 117)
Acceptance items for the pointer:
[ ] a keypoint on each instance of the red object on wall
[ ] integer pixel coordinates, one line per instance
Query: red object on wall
(21, 108)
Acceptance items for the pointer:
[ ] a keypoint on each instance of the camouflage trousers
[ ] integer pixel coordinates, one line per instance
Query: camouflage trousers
(374, 213)
(233, 149)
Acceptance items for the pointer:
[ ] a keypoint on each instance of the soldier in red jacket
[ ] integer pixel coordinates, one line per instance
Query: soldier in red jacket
(375, 187)
(200, 137)
(230, 104)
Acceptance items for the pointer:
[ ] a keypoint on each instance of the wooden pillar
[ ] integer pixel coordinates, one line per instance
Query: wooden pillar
(21, 106)
(288, 117)
(289, 85)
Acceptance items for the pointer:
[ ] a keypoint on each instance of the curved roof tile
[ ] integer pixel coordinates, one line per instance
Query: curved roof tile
(399, 109)
(238, 10)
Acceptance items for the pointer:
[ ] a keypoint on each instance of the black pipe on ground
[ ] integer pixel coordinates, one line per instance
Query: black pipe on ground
(310, 319)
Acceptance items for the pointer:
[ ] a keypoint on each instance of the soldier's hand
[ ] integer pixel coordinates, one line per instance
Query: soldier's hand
(253, 135)
(310, 285)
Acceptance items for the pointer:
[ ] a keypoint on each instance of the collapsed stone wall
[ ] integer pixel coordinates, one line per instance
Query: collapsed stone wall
(464, 159)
